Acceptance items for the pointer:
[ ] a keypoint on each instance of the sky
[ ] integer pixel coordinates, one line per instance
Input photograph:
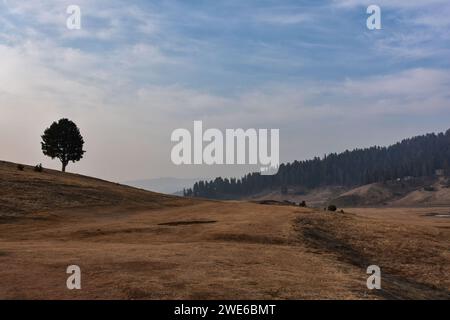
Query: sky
(137, 70)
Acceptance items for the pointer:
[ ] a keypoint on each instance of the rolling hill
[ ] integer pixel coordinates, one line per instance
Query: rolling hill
(407, 192)
(29, 191)
(134, 244)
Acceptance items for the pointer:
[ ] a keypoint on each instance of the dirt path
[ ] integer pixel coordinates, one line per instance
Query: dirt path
(411, 248)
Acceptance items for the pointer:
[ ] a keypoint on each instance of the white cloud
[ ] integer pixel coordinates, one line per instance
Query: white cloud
(118, 20)
(421, 91)
(415, 82)
(127, 113)
(127, 131)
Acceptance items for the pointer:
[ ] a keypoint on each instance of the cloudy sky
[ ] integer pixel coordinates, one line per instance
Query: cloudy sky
(137, 70)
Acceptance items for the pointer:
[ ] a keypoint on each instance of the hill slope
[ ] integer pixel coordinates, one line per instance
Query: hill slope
(412, 192)
(133, 244)
(407, 192)
(29, 191)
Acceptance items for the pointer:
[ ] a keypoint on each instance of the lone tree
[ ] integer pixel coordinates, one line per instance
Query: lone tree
(63, 140)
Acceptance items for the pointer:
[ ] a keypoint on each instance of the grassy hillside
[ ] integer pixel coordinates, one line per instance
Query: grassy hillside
(407, 192)
(29, 191)
(414, 192)
(134, 244)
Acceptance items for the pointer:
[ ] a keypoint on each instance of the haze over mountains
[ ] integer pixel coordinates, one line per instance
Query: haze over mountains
(168, 185)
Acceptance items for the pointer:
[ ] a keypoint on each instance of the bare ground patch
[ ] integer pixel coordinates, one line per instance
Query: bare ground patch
(4, 254)
(100, 232)
(183, 223)
(249, 238)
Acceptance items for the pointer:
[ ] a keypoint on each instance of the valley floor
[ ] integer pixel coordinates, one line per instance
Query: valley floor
(225, 250)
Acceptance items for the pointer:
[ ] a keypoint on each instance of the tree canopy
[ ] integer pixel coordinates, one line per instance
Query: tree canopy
(63, 140)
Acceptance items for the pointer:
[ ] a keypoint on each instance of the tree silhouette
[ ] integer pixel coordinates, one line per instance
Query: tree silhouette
(63, 140)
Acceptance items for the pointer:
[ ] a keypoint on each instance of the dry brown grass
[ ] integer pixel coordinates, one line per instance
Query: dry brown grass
(28, 191)
(250, 251)
(133, 244)
(411, 247)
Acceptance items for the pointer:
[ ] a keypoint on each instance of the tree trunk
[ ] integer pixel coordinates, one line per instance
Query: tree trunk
(64, 165)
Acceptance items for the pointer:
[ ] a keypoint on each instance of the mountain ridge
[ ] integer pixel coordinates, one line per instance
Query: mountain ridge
(420, 156)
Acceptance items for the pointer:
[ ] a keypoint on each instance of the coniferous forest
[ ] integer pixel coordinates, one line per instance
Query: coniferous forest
(417, 157)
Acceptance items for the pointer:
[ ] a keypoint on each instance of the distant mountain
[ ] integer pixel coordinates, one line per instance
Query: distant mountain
(421, 156)
(166, 185)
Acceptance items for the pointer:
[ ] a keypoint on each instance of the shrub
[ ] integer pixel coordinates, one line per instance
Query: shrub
(332, 207)
(302, 204)
(20, 167)
(38, 168)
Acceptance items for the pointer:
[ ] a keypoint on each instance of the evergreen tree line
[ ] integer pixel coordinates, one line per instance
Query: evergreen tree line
(415, 157)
